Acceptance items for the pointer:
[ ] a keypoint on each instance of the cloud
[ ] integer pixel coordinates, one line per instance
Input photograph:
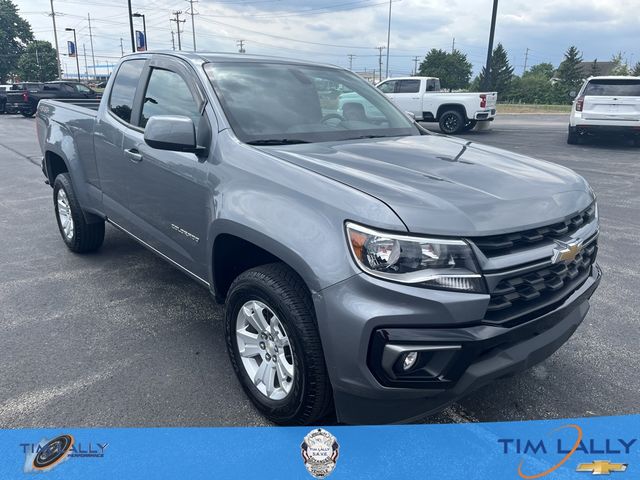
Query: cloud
(292, 28)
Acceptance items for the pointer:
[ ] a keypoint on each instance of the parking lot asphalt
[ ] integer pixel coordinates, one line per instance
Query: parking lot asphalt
(121, 338)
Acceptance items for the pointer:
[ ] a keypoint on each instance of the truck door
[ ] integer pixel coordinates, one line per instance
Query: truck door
(170, 194)
(407, 96)
(111, 123)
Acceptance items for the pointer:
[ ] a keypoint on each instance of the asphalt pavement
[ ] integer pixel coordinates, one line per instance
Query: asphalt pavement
(121, 338)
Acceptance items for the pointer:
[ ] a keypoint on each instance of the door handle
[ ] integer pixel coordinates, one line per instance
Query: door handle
(134, 155)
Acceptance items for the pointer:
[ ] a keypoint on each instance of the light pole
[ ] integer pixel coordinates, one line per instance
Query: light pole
(75, 48)
(133, 40)
(388, 40)
(144, 29)
(487, 68)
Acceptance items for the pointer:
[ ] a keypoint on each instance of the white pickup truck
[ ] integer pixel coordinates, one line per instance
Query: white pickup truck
(455, 112)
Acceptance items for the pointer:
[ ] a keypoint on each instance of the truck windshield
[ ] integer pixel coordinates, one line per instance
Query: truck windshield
(276, 103)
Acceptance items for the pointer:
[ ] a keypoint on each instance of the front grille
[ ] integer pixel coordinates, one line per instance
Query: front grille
(522, 297)
(497, 245)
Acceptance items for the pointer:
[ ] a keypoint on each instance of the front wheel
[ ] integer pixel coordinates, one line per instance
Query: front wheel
(79, 235)
(274, 345)
(452, 122)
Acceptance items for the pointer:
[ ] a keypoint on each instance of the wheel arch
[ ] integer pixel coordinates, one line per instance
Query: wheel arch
(452, 106)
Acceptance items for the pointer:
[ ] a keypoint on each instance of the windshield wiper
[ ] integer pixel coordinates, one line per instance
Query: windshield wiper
(277, 141)
(366, 136)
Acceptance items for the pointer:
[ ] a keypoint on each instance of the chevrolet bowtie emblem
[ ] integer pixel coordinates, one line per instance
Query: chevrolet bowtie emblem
(566, 252)
(601, 467)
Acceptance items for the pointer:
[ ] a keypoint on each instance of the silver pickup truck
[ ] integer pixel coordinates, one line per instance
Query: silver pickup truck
(367, 266)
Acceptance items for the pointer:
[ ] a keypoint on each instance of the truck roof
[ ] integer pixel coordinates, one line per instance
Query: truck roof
(229, 57)
(614, 77)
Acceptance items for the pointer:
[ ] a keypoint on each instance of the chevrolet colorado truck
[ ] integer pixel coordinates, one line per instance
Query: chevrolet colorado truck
(368, 267)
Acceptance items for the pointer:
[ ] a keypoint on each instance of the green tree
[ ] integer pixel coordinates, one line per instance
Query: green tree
(620, 67)
(39, 62)
(545, 70)
(501, 74)
(636, 70)
(453, 69)
(15, 33)
(595, 69)
(570, 73)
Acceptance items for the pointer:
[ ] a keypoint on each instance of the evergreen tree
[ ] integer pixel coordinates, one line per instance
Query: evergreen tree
(39, 62)
(620, 66)
(15, 33)
(544, 70)
(501, 74)
(453, 69)
(595, 69)
(570, 73)
(636, 70)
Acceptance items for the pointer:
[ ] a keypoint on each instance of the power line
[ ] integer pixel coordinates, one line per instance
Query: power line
(177, 13)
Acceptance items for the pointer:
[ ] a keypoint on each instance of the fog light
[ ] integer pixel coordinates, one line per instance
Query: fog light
(409, 360)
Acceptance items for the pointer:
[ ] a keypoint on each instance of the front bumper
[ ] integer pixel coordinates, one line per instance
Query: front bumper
(361, 315)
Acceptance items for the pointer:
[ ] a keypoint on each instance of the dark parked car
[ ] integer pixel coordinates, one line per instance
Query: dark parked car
(24, 97)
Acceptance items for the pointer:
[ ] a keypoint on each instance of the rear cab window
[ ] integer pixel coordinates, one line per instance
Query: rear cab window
(613, 88)
(124, 89)
(408, 86)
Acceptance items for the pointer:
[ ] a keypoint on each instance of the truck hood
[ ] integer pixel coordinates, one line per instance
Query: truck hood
(444, 186)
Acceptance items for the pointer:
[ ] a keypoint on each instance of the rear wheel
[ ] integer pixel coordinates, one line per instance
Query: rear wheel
(274, 345)
(30, 110)
(79, 235)
(573, 138)
(452, 122)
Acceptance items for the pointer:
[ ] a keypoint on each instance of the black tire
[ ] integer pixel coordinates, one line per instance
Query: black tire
(86, 237)
(285, 293)
(452, 122)
(31, 110)
(470, 125)
(573, 138)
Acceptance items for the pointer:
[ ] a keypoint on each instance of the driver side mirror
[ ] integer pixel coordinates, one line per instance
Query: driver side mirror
(411, 115)
(176, 133)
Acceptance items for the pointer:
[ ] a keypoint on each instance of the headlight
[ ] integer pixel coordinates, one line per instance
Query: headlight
(428, 262)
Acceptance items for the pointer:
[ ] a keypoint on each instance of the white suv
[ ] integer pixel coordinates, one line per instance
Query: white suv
(606, 105)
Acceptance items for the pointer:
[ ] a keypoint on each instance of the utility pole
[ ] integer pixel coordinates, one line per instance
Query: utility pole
(453, 45)
(173, 40)
(526, 60)
(86, 69)
(38, 64)
(133, 40)
(193, 26)
(351, 55)
(415, 65)
(492, 32)
(240, 43)
(55, 37)
(388, 41)
(177, 20)
(380, 49)
(122, 47)
(93, 57)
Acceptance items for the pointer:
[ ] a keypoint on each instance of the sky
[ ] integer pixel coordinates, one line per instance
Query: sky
(328, 31)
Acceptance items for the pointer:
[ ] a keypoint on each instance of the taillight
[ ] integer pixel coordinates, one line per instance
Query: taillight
(25, 96)
(579, 104)
(483, 101)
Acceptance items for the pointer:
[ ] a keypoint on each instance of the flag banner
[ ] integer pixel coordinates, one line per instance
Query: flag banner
(141, 41)
(553, 449)
(71, 48)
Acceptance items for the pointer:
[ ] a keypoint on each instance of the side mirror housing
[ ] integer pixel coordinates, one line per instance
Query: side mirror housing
(411, 115)
(172, 132)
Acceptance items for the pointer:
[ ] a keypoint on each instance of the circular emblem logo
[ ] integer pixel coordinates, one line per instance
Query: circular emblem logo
(320, 453)
(52, 452)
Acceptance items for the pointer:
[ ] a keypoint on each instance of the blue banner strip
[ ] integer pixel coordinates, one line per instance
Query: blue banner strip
(512, 450)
